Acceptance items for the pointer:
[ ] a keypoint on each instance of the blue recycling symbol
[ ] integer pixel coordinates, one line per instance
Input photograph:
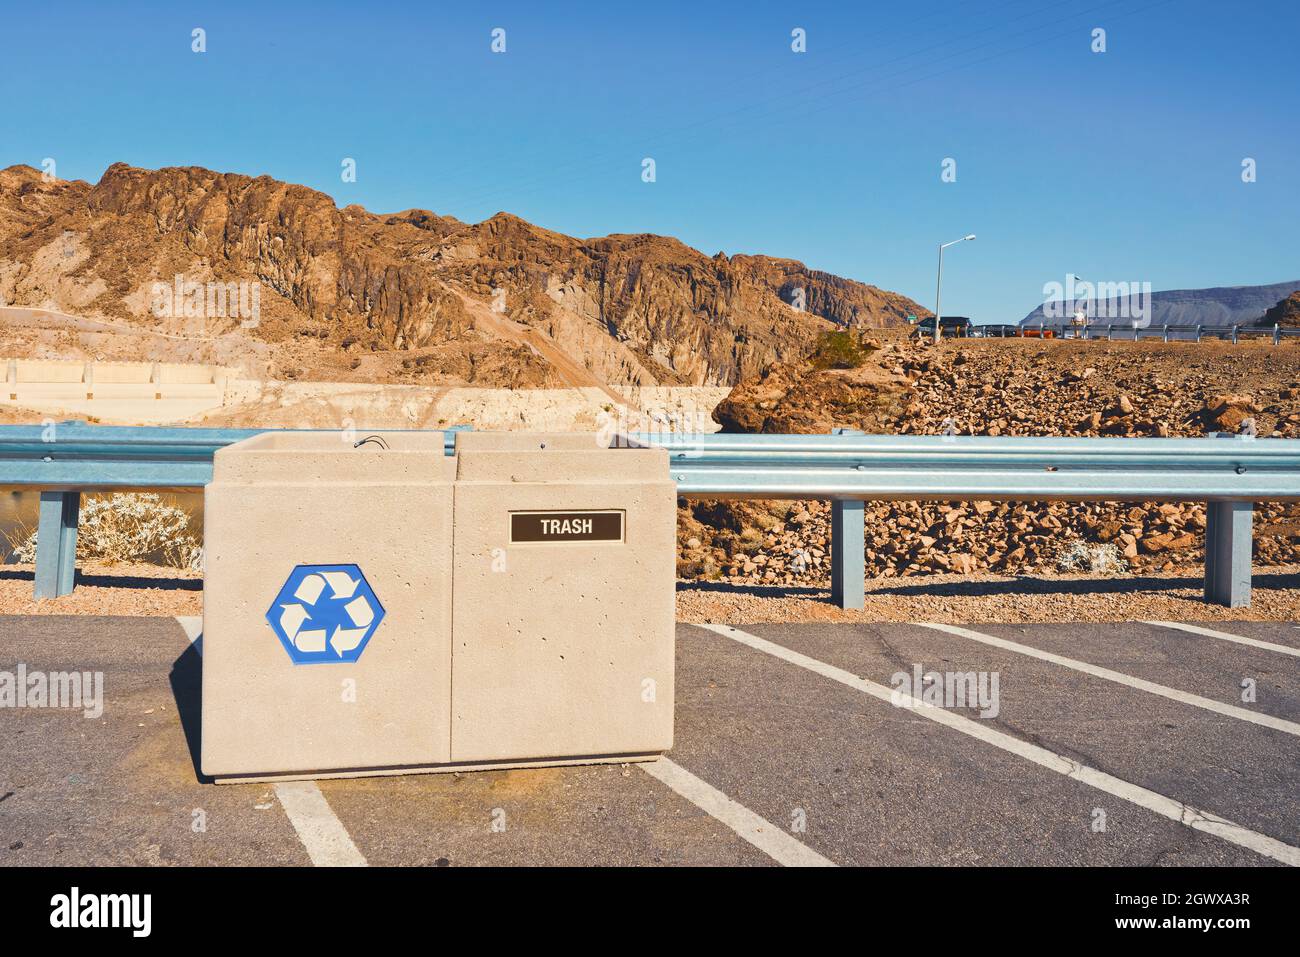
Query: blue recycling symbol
(325, 613)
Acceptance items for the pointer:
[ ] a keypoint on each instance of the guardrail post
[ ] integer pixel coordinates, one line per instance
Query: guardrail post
(1234, 335)
(848, 537)
(1228, 553)
(1277, 333)
(56, 543)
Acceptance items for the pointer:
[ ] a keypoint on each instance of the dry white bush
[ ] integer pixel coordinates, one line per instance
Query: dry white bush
(1079, 556)
(125, 527)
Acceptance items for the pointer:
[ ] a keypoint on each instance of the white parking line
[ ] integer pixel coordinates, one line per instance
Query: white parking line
(763, 834)
(1152, 801)
(1236, 639)
(193, 625)
(321, 832)
(1173, 694)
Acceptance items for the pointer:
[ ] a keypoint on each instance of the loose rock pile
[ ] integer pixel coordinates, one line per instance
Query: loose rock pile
(994, 387)
(1065, 388)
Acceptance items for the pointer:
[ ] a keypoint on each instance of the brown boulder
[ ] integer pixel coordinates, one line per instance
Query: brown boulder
(1225, 413)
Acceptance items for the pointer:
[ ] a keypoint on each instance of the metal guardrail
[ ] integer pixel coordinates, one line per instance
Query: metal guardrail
(1229, 472)
(75, 455)
(1222, 468)
(1127, 332)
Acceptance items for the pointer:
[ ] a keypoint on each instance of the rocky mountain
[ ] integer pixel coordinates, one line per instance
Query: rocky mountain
(1285, 313)
(1217, 307)
(501, 302)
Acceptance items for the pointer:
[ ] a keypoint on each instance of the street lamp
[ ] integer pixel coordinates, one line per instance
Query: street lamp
(938, 288)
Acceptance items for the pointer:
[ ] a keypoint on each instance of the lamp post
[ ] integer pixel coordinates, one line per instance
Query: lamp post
(938, 288)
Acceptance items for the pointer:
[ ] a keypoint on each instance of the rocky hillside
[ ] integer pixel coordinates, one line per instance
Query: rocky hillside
(1001, 387)
(500, 302)
(1285, 313)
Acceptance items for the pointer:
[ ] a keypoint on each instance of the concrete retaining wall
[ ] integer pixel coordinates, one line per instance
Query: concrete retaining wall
(137, 392)
(152, 393)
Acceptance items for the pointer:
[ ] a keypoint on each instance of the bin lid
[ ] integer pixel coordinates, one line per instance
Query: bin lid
(343, 456)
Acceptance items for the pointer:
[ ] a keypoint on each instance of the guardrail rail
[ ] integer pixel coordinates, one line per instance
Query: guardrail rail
(1228, 472)
(1127, 332)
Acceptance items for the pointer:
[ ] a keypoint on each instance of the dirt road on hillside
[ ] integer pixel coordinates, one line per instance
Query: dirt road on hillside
(572, 372)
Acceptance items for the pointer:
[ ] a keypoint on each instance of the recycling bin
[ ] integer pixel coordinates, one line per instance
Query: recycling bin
(327, 604)
(563, 634)
(375, 606)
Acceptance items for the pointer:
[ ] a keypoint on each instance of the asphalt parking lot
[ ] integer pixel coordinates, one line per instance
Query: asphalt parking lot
(1099, 744)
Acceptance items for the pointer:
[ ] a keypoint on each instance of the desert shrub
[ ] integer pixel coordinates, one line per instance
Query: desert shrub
(1079, 556)
(125, 527)
(841, 349)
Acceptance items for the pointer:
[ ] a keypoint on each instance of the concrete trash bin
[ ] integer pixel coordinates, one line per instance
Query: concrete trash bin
(563, 637)
(308, 539)
(384, 608)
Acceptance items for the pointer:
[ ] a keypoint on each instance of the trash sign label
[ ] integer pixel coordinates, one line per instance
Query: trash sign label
(325, 613)
(566, 527)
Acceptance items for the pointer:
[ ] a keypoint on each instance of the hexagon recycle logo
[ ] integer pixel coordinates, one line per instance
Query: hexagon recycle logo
(325, 613)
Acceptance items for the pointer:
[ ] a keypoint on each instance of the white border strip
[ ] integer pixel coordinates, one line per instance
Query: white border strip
(1223, 635)
(1173, 694)
(321, 832)
(1158, 803)
(763, 834)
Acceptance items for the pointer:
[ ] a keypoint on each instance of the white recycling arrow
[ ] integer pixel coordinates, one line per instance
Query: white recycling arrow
(291, 618)
(309, 589)
(360, 612)
(313, 640)
(345, 639)
(341, 583)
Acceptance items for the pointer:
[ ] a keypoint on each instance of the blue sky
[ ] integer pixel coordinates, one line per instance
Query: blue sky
(1117, 166)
